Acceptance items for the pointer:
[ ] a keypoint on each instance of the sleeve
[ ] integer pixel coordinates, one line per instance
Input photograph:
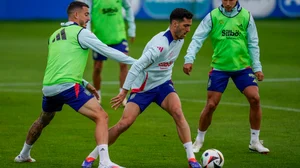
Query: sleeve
(198, 39)
(129, 16)
(146, 60)
(87, 39)
(253, 45)
(84, 83)
(90, 4)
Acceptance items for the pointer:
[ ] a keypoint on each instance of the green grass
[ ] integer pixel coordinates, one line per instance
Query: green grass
(152, 142)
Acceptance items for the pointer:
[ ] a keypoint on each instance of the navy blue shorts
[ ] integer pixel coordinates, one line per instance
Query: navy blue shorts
(157, 95)
(75, 97)
(123, 47)
(218, 80)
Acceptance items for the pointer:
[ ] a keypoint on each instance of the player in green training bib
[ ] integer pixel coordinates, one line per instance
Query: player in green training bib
(108, 24)
(236, 55)
(64, 84)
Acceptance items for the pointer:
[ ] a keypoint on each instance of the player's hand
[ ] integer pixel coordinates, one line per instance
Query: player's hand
(91, 89)
(117, 101)
(187, 68)
(132, 39)
(259, 75)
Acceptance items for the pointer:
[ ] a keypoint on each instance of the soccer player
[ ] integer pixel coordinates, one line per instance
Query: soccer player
(108, 24)
(63, 82)
(236, 56)
(150, 81)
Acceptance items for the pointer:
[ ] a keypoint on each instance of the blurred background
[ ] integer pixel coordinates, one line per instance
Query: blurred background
(147, 9)
(152, 141)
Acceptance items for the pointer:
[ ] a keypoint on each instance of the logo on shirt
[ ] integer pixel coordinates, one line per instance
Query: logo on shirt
(231, 33)
(110, 11)
(241, 26)
(165, 65)
(160, 49)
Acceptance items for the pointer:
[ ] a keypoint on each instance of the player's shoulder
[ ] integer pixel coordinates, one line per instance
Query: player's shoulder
(163, 38)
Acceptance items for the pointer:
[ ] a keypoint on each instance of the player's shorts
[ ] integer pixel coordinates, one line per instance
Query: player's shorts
(75, 97)
(157, 95)
(123, 47)
(218, 80)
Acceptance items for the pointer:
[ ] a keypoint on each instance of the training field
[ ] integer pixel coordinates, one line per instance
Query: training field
(152, 142)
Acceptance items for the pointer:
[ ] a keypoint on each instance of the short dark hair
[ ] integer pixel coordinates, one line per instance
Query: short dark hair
(179, 14)
(75, 5)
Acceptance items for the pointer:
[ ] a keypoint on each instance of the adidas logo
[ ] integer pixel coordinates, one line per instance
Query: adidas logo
(160, 49)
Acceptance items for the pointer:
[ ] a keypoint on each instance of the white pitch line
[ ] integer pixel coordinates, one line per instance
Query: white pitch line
(243, 105)
(182, 99)
(178, 82)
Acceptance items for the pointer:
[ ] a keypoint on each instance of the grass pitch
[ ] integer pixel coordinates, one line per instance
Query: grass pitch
(152, 142)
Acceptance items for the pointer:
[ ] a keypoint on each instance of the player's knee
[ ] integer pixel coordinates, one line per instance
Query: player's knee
(177, 114)
(45, 119)
(254, 100)
(123, 68)
(124, 124)
(211, 105)
(97, 69)
(97, 66)
(101, 116)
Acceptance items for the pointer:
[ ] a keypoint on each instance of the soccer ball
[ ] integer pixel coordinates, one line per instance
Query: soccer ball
(212, 158)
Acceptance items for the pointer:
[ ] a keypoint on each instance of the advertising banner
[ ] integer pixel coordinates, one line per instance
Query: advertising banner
(290, 8)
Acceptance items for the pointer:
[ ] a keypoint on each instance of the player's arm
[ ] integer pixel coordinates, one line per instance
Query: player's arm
(90, 88)
(141, 64)
(87, 39)
(253, 49)
(129, 16)
(198, 39)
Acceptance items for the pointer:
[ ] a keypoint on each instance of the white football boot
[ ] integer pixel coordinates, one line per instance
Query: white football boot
(197, 145)
(258, 147)
(20, 159)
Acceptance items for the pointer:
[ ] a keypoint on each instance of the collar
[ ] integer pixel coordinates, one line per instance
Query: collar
(169, 36)
(234, 11)
(69, 23)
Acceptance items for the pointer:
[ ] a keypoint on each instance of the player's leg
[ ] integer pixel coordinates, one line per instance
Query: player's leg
(217, 84)
(137, 103)
(98, 66)
(123, 74)
(246, 82)
(32, 135)
(170, 102)
(86, 104)
(50, 105)
(131, 112)
(123, 47)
